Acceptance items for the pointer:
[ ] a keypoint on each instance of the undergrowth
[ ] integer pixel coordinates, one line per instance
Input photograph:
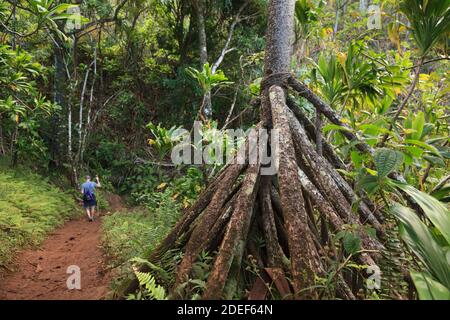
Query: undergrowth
(30, 207)
(136, 233)
(131, 235)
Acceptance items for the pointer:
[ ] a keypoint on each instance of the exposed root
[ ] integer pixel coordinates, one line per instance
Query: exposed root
(235, 237)
(293, 212)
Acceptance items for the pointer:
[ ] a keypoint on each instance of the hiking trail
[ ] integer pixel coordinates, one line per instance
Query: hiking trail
(41, 274)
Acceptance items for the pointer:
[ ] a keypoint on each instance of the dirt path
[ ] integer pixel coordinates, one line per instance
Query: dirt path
(41, 274)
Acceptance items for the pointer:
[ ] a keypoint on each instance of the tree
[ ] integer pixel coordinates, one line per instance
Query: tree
(280, 207)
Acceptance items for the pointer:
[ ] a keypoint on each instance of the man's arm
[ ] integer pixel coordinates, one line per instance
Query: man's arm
(98, 181)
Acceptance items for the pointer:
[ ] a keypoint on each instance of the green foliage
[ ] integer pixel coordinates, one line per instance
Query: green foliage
(429, 19)
(386, 161)
(350, 240)
(30, 207)
(187, 187)
(429, 243)
(143, 73)
(149, 289)
(434, 210)
(306, 14)
(164, 139)
(207, 79)
(195, 286)
(130, 235)
(332, 87)
(21, 105)
(136, 233)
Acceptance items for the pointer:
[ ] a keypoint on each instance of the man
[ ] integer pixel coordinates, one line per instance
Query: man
(89, 201)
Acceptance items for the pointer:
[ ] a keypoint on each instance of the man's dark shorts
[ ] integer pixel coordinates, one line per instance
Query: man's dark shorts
(89, 203)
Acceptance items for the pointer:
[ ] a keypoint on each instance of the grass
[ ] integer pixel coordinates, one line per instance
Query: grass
(30, 207)
(136, 233)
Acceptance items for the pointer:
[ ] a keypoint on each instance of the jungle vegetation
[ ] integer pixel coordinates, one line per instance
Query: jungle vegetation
(357, 90)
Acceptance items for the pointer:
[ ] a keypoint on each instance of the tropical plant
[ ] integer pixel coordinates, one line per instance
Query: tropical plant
(150, 290)
(429, 241)
(386, 161)
(306, 14)
(331, 82)
(207, 79)
(164, 139)
(429, 19)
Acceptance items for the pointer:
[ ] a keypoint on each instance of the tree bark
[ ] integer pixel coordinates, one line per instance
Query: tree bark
(199, 7)
(235, 236)
(305, 260)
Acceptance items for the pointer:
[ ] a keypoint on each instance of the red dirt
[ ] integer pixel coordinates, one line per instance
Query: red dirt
(41, 274)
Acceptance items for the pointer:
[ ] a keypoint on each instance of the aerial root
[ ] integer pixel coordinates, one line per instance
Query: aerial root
(293, 212)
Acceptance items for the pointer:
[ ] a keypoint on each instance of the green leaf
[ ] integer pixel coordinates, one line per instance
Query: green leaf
(369, 183)
(428, 288)
(357, 159)
(373, 129)
(429, 21)
(436, 161)
(417, 126)
(414, 151)
(331, 126)
(442, 193)
(371, 232)
(386, 161)
(436, 211)
(424, 145)
(352, 243)
(422, 243)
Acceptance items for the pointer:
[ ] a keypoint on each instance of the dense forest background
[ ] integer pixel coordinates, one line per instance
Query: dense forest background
(100, 87)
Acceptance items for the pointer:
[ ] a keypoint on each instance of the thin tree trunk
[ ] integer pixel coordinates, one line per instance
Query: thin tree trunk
(15, 143)
(58, 98)
(2, 148)
(80, 123)
(337, 16)
(91, 99)
(199, 7)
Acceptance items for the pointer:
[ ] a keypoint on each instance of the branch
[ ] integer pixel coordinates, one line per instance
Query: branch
(18, 34)
(326, 110)
(225, 49)
(429, 61)
(234, 118)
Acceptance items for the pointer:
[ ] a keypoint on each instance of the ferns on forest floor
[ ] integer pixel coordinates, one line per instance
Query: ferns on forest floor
(150, 289)
(136, 233)
(29, 208)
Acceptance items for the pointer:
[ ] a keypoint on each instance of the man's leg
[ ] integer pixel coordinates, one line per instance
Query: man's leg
(92, 212)
(88, 211)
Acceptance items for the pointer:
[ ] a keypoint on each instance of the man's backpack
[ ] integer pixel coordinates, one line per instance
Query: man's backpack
(88, 195)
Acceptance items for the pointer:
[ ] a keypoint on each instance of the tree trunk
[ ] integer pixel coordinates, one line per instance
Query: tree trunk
(306, 187)
(58, 94)
(203, 49)
(2, 147)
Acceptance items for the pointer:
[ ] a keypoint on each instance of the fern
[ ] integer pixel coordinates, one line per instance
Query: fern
(30, 207)
(152, 291)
